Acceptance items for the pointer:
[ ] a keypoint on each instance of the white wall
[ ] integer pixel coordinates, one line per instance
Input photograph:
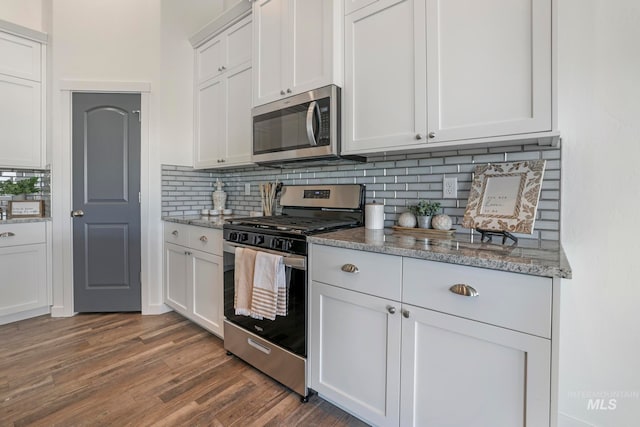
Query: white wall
(599, 119)
(27, 13)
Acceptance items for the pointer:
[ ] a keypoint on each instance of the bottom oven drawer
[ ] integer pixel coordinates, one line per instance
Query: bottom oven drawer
(282, 365)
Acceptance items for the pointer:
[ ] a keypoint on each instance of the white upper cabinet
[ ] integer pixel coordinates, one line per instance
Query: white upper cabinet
(296, 47)
(446, 73)
(22, 100)
(222, 135)
(488, 68)
(385, 76)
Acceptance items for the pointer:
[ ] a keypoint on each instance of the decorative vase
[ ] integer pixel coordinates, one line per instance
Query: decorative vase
(407, 219)
(441, 222)
(424, 221)
(219, 197)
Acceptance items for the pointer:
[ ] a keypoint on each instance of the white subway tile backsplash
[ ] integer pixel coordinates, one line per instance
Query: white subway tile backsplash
(398, 181)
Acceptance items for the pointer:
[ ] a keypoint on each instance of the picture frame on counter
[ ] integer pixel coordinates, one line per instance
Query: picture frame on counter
(25, 209)
(504, 197)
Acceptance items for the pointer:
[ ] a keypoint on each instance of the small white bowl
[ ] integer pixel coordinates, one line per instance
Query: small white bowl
(226, 212)
(214, 212)
(204, 212)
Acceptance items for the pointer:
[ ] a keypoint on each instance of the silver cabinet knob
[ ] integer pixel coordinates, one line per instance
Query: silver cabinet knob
(418, 136)
(464, 290)
(204, 239)
(282, 92)
(78, 212)
(405, 313)
(350, 268)
(432, 135)
(288, 90)
(391, 309)
(175, 233)
(7, 234)
(223, 68)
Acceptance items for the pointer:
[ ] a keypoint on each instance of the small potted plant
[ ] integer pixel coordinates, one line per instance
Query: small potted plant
(423, 211)
(19, 189)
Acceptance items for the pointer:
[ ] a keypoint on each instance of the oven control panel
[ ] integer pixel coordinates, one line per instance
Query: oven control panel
(265, 240)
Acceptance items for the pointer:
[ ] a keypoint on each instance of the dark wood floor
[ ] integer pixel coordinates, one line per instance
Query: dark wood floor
(128, 369)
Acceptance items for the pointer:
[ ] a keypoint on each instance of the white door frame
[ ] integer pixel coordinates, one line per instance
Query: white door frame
(62, 202)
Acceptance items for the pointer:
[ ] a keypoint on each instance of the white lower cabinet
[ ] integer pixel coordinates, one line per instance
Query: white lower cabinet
(193, 274)
(355, 349)
(433, 358)
(24, 288)
(459, 372)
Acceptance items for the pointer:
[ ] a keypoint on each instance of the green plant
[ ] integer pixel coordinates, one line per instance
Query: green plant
(24, 186)
(425, 208)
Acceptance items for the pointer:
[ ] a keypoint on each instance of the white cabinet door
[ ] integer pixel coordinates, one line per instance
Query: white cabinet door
(355, 352)
(24, 278)
(176, 263)
(222, 134)
(269, 51)
(296, 47)
(205, 276)
(237, 147)
(353, 5)
(489, 68)
(21, 140)
(385, 77)
(210, 124)
(457, 372)
(20, 57)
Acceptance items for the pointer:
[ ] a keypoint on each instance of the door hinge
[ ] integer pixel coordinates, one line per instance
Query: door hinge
(139, 197)
(137, 112)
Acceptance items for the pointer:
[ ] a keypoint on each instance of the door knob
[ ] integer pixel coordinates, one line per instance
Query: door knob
(76, 213)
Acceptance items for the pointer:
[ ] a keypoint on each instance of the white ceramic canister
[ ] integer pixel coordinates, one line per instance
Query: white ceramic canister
(374, 216)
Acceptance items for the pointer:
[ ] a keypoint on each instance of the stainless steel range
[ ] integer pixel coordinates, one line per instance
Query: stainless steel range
(279, 347)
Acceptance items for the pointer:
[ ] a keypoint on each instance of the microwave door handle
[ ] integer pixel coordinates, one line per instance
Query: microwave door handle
(311, 111)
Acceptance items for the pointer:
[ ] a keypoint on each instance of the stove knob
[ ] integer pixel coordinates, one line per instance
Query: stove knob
(258, 240)
(285, 245)
(243, 237)
(233, 236)
(273, 244)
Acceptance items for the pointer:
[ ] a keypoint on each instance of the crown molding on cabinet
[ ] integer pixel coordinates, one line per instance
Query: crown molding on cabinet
(233, 14)
(27, 33)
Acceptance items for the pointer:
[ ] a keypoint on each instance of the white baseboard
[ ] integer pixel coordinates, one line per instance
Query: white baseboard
(15, 317)
(156, 309)
(565, 420)
(61, 311)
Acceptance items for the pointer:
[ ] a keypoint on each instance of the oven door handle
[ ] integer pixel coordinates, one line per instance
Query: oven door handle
(294, 261)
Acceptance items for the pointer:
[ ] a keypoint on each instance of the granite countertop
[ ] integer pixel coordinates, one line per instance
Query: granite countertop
(200, 220)
(24, 220)
(528, 257)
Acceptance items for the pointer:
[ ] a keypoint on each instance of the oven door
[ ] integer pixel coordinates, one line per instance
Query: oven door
(288, 332)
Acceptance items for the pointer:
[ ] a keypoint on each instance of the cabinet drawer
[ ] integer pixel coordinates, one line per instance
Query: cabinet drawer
(176, 233)
(515, 301)
(377, 274)
(205, 239)
(22, 234)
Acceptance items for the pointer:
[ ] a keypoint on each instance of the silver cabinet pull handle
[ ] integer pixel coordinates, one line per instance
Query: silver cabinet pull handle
(391, 309)
(76, 213)
(7, 234)
(350, 268)
(204, 239)
(406, 313)
(464, 290)
(175, 233)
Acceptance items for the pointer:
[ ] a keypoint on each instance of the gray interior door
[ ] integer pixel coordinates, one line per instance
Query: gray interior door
(106, 216)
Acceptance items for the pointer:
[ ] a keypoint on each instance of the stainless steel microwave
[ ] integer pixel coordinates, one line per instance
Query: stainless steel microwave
(301, 127)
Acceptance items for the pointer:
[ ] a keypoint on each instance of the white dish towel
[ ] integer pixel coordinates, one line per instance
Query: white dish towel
(245, 260)
(269, 295)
